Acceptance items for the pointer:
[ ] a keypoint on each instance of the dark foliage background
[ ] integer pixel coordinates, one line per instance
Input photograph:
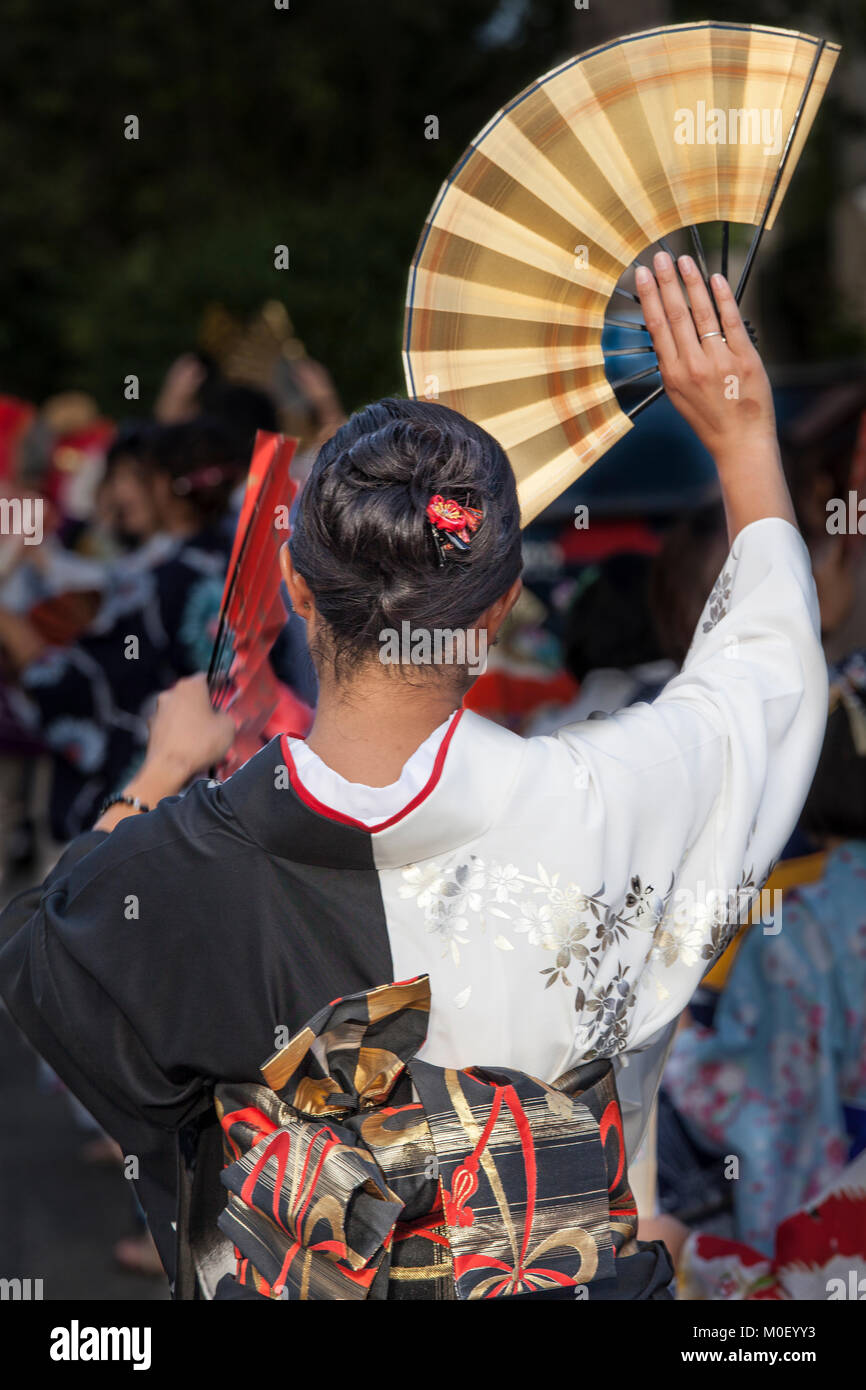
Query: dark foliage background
(305, 127)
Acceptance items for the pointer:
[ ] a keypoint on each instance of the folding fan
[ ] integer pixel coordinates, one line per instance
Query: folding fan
(252, 612)
(520, 307)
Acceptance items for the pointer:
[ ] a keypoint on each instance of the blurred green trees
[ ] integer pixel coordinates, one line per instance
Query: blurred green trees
(258, 126)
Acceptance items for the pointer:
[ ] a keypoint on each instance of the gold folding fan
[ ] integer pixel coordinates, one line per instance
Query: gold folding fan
(532, 239)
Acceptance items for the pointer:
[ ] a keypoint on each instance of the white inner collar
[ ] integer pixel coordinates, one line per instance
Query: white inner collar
(369, 805)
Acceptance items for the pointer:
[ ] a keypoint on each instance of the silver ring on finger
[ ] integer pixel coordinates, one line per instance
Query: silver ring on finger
(715, 334)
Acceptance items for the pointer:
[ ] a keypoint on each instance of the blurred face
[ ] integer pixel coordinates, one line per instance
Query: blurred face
(131, 507)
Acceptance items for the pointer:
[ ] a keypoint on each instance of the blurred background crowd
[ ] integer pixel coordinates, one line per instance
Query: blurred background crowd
(146, 334)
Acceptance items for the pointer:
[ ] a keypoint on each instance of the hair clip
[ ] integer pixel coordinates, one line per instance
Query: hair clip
(448, 518)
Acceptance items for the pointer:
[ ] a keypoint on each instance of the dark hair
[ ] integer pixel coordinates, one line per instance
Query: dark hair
(132, 441)
(204, 461)
(240, 409)
(361, 538)
(608, 623)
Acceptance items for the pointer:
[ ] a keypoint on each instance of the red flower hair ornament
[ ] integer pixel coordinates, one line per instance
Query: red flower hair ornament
(448, 519)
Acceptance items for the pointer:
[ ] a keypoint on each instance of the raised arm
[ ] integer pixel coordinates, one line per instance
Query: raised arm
(715, 378)
(695, 795)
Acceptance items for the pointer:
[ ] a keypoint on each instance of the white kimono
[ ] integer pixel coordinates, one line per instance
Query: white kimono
(566, 894)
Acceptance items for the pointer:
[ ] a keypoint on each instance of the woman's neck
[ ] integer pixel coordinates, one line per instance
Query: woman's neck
(368, 728)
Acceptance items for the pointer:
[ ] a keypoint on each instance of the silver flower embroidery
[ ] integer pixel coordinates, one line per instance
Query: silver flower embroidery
(557, 925)
(535, 921)
(717, 603)
(680, 941)
(579, 929)
(446, 898)
(421, 882)
(605, 1013)
(503, 880)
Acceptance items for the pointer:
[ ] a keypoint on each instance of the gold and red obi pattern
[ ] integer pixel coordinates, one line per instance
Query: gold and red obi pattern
(358, 1171)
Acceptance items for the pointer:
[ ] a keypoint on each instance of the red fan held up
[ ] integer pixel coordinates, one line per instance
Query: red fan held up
(252, 613)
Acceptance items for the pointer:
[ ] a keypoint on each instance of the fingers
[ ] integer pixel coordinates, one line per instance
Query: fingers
(703, 310)
(655, 318)
(675, 328)
(729, 316)
(676, 308)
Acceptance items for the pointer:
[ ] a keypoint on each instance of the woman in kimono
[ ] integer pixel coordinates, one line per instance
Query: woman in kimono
(562, 893)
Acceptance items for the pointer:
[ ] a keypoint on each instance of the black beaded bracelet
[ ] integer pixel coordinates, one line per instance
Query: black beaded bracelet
(119, 800)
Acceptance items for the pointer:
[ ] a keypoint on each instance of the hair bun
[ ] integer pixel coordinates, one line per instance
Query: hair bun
(362, 538)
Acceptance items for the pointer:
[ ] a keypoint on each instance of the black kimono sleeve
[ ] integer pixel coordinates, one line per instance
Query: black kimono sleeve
(84, 1033)
(162, 957)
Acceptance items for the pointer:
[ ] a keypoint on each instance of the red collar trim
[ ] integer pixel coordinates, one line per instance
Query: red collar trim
(321, 809)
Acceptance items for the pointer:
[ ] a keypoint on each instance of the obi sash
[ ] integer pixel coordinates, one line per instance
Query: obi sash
(358, 1171)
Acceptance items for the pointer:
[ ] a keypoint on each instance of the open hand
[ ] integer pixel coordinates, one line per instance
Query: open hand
(711, 370)
(716, 380)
